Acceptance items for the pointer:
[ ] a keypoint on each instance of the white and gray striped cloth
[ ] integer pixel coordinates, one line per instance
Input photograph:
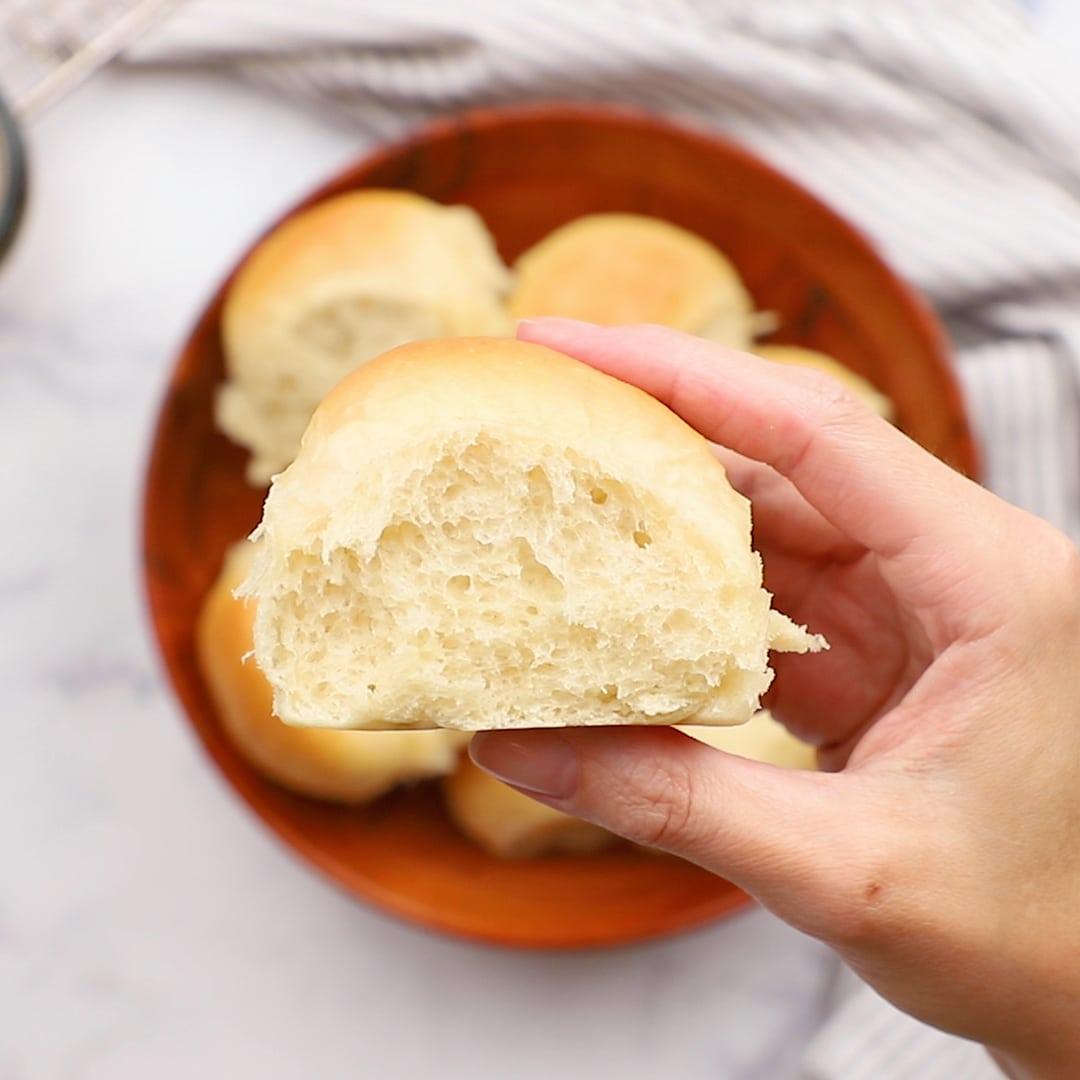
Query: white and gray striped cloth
(948, 131)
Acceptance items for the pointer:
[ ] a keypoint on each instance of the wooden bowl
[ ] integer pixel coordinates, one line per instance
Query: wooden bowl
(527, 171)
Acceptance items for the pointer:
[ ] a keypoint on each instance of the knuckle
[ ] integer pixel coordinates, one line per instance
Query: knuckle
(657, 803)
(826, 407)
(1051, 572)
(1062, 566)
(835, 403)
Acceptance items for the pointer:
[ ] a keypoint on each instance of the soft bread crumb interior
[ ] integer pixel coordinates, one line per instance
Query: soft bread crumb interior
(509, 583)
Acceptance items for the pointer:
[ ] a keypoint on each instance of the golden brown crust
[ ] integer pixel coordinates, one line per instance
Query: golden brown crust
(533, 384)
(628, 268)
(336, 285)
(340, 234)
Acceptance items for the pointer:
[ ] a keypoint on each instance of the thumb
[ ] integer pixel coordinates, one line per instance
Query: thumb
(794, 840)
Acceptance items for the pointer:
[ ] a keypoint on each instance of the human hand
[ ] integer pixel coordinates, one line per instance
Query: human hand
(942, 858)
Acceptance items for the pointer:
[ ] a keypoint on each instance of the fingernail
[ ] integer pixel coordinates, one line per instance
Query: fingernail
(540, 762)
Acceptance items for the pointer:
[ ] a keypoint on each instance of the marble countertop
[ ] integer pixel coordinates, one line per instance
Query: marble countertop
(149, 926)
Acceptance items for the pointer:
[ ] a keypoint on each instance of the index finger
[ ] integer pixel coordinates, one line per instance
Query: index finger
(863, 475)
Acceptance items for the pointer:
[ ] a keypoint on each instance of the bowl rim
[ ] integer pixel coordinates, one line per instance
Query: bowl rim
(460, 125)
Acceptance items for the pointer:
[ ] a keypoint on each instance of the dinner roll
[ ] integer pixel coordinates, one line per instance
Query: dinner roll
(483, 533)
(761, 738)
(342, 766)
(811, 358)
(336, 285)
(511, 825)
(627, 268)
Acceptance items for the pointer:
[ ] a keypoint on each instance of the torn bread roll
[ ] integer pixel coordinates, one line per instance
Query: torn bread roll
(615, 269)
(336, 285)
(800, 356)
(339, 766)
(485, 534)
(506, 823)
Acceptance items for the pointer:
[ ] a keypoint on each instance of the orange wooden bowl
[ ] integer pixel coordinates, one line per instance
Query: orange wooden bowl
(527, 171)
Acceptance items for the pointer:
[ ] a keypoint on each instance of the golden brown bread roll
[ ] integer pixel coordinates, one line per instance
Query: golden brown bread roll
(336, 285)
(507, 823)
(811, 358)
(484, 533)
(348, 767)
(615, 269)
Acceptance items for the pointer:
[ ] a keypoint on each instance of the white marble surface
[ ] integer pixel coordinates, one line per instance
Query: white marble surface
(148, 925)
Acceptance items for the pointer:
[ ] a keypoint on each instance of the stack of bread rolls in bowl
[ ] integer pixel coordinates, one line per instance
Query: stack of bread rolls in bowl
(376, 523)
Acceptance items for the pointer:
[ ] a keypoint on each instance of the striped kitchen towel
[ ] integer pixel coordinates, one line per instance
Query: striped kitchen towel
(947, 131)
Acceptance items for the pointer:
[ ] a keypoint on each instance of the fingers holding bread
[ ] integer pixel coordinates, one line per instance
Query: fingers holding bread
(847, 462)
(800, 356)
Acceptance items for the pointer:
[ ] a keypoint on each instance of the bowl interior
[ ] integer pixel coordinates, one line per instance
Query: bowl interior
(527, 172)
